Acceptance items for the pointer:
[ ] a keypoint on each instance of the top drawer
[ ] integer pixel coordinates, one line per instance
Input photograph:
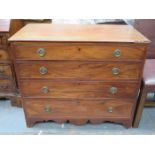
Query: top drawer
(95, 52)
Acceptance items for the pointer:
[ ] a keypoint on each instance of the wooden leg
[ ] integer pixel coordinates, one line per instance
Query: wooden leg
(127, 124)
(15, 101)
(29, 123)
(140, 106)
(13, 97)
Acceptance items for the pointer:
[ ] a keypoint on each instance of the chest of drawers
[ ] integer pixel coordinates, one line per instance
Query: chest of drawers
(8, 85)
(79, 73)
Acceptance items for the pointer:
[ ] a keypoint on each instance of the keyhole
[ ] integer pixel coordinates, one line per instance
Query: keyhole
(79, 49)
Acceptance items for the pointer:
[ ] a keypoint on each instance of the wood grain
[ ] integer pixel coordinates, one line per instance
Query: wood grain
(85, 89)
(79, 60)
(96, 52)
(79, 33)
(71, 109)
(80, 70)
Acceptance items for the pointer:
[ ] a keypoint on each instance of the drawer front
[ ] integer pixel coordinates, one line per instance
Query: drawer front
(79, 70)
(5, 71)
(80, 52)
(53, 108)
(3, 55)
(6, 86)
(52, 89)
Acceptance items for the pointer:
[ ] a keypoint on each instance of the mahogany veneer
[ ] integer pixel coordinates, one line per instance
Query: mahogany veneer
(79, 73)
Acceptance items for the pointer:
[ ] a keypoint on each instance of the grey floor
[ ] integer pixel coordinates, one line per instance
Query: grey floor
(12, 121)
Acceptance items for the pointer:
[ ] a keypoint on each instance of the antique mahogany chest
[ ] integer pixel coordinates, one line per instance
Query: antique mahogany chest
(79, 73)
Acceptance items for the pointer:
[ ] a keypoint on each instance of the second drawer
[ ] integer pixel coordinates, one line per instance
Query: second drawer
(85, 89)
(80, 70)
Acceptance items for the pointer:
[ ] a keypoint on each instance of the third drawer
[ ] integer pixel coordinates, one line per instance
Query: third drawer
(81, 89)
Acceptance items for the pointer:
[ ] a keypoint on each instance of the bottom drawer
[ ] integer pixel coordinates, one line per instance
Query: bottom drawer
(6, 86)
(76, 109)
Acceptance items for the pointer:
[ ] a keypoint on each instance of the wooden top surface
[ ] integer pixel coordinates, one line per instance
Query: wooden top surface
(79, 33)
(4, 25)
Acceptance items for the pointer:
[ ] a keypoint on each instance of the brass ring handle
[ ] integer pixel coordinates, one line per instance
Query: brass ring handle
(45, 89)
(43, 70)
(113, 90)
(110, 109)
(47, 108)
(117, 53)
(41, 52)
(115, 71)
